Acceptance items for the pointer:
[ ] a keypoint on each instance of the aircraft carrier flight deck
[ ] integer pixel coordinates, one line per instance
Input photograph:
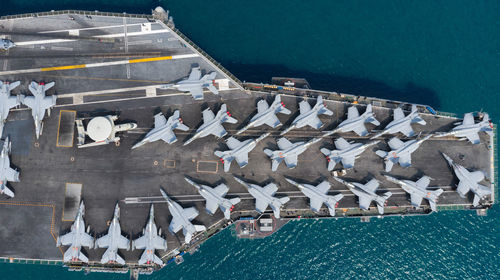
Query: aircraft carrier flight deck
(115, 64)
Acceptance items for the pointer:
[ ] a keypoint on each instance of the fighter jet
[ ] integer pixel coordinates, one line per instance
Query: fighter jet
(367, 193)
(469, 130)
(401, 123)
(215, 198)
(418, 190)
(288, 152)
(212, 125)
(195, 84)
(6, 172)
(164, 129)
(6, 44)
(76, 239)
(39, 103)
(345, 153)
(264, 196)
(355, 122)
(7, 101)
(319, 195)
(469, 181)
(114, 240)
(309, 116)
(238, 151)
(150, 241)
(267, 114)
(401, 152)
(181, 218)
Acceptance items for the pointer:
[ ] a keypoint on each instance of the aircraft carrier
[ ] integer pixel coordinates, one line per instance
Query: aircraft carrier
(114, 64)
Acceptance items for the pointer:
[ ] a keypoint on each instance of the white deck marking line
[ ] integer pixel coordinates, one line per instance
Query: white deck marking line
(100, 64)
(88, 28)
(54, 41)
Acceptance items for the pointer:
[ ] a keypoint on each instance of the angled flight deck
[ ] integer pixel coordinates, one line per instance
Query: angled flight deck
(116, 65)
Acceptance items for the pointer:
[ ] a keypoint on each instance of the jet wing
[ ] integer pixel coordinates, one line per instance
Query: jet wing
(477, 176)
(232, 143)
(103, 242)
(423, 182)
(348, 162)
(260, 205)
(160, 120)
(141, 242)
(360, 130)
(211, 206)
(468, 119)
(66, 239)
(221, 190)
(323, 187)
(304, 107)
(314, 122)
(416, 199)
(291, 161)
(29, 101)
(195, 74)
(218, 131)
(86, 240)
(275, 163)
(12, 102)
(190, 213)
(176, 224)
(395, 143)
(159, 243)
(208, 115)
(262, 106)
(473, 138)
(315, 204)
(398, 114)
(10, 175)
(272, 121)
(407, 130)
(33, 88)
(196, 92)
(169, 136)
(352, 112)
(342, 144)
(242, 159)
(364, 202)
(123, 242)
(463, 187)
(284, 143)
(270, 189)
(371, 186)
(405, 159)
(47, 102)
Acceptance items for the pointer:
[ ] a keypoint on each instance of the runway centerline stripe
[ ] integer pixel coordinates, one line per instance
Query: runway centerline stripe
(100, 64)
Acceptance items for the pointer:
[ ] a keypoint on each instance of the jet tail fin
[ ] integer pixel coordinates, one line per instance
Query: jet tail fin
(5, 190)
(235, 200)
(213, 89)
(284, 200)
(381, 153)
(268, 152)
(199, 227)
(480, 193)
(157, 260)
(419, 120)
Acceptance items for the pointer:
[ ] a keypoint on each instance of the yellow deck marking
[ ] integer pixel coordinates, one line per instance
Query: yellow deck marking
(207, 171)
(149, 59)
(63, 67)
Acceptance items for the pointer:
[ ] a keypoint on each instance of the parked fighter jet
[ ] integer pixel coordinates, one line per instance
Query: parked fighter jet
(401, 123)
(215, 198)
(469, 181)
(7, 101)
(212, 125)
(309, 116)
(6, 44)
(367, 193)
(6, 172)
(238, 151)
(150, 240)
(195, 84)
(76, 238)
(181, 218)
(267, 114)
(288, 152)
(355, 122)
(39, 103)
(264, 196)
(114, 240)
(401, 152)
(345, 153)
(418, 190)
(319, 195)
(469, 130)
(164, 129)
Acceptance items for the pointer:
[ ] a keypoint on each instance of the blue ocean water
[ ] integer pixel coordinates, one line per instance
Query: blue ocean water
(442, 53)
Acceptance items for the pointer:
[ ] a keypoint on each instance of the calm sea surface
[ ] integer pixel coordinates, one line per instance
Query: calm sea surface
(442, 53)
